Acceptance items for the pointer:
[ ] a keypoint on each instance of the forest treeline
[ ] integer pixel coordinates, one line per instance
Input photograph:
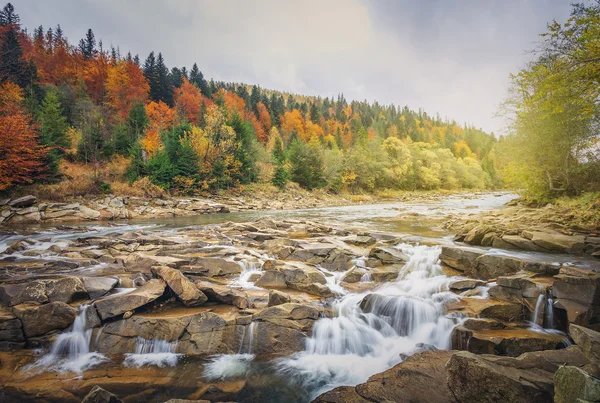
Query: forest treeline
(63, 104)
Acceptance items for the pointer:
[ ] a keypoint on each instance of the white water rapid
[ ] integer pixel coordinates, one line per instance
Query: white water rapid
(70, 352)
(156, 352)
(371, 330)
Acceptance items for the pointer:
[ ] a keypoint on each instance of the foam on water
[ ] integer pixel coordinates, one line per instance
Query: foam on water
(228, 366)
(249, 268)
(70, 352)
(367, 335)
(160, 353)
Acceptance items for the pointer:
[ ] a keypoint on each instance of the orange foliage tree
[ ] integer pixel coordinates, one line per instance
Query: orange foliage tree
(95, 74)
(188, 101)
(21, 156)
(292, 122)
(160, 117)
(125, 86)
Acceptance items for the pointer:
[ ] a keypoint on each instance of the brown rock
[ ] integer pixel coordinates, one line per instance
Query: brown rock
(99, 395)
(119, 304)
(38, 320)
(185, 290)
(223, 294)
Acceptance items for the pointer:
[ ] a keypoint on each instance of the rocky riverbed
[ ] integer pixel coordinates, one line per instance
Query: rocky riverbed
(333, 305)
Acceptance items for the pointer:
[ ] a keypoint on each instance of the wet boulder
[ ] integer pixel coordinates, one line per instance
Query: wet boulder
(588, 340)
(467, 284)
(11, 331)
(524, 379)
(573, 384)
(460, 258)
(299, 273)
(211, 266)
(99, 395)
(476, 234)
(556, 242)
(38, 320)
(388, 255)
(578, 294)
(185, 290)
(272, 279)
(223, 294)
(97, 287)
(419, 378)
(22, 202)
(65, 289)
(29, 292)
(278, 298)
(119, 304)
(509, 342)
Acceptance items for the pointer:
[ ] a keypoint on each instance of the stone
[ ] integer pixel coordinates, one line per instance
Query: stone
(24, 201)
(278, 298)
(212, 267)
(119, 304)
(507, 342)
(271, 279)
(519, 242)
(588, 340)
(30, 292)
(11, 332)
(463, 285)
(388, 255)
(38, 320)
(556, 242)
(502, 311)
(524, 379)
(99, 395)
(223, 294)
(185, 290)
(578, 294)
(460, 258)
(419, 378)
(572, 384)
(476, 234)
(66, 289)
(97, 287)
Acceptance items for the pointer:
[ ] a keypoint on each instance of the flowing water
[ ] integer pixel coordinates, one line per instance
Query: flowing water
(156, 352)
(70, 352)
(367, 333)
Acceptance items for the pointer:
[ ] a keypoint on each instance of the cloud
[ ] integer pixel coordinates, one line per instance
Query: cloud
(448, 57)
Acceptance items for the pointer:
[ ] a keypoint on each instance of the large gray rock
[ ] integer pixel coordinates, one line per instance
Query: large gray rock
(556, 242)
(572, 384)
(30, 292)
(527, 378)
(99, 395)
(211, 267)
(97, 287)
(22, 202)
(271, 279)
(38, 320)
(185, 290)
(11, 331)
(420, 378)
(278, 298)
(388, 255)
(223, 294)
(588, 340)
(578, 293)
(119, 304)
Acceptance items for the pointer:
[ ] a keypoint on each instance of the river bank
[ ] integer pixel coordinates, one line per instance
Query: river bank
(29, 209)
(293, 306)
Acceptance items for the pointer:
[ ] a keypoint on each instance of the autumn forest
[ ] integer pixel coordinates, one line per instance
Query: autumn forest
(136, 123)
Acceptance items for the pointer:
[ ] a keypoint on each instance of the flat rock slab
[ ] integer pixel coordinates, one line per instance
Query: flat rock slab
(119, 304)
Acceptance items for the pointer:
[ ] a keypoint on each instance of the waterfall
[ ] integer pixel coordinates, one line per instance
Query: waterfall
(549, 314)
(333, 279)
(70, 351)
(538, 306)
(250, 330)
(156, 352)
(366, 278)
(370, 331)
(249, 269)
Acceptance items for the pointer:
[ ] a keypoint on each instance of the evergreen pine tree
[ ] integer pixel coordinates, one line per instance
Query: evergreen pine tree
(151, 75)
(87, 45)
(164, 83)
(8, 16)
(12, 66)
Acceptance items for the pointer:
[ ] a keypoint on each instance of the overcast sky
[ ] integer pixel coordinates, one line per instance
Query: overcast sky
(451, 57)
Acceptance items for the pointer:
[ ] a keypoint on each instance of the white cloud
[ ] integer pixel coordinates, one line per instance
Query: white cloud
(449, 57)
